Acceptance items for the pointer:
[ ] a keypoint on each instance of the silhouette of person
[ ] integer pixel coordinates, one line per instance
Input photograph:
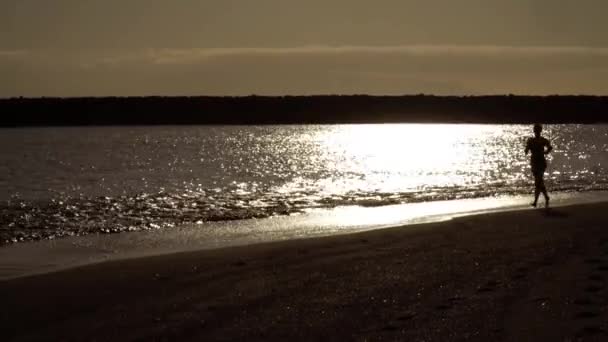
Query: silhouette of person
(539, 147)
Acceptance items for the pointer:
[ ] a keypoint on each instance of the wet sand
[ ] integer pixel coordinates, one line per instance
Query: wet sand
(514, 276)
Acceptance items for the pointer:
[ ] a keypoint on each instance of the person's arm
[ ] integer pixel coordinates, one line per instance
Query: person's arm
(549, 147)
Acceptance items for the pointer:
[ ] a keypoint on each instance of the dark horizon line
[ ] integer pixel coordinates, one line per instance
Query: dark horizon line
(290, 109)
(298, 95)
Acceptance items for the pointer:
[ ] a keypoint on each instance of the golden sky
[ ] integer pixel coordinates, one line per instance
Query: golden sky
(230, 47)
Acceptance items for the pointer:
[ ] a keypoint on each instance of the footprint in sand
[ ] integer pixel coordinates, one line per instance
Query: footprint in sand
(590, 330)
(593, 261)
(520, 273)
(584, 301)
(455, 299)
(489, 286)
(541, 299)
(451, 303)
(406, 317)
(595, 277)
(602, 268)
(484, 289)
(593, 289)
(390, 327)
(443, 307)
(586, 315)
(518, 276)
(158, 276)
(547, 262)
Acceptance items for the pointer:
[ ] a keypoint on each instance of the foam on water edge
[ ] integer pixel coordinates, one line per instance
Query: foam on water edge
(44, 256)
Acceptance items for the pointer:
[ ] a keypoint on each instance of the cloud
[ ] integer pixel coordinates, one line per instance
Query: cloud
(185, 56)
(12, 53)
(439, 69)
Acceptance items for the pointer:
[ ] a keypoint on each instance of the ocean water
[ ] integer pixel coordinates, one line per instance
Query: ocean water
(58, 182)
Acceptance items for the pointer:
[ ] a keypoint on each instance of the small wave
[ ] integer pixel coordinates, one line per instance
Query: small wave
(30, 220)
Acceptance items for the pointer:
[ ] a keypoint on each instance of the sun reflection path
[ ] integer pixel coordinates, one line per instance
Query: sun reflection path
(408, 157)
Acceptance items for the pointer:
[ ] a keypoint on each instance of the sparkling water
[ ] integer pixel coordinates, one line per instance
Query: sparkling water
(70, 181)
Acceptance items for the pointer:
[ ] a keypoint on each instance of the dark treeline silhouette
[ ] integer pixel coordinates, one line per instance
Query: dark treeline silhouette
(300, 109)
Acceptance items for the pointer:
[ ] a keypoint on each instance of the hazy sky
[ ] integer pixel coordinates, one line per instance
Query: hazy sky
(230, 47)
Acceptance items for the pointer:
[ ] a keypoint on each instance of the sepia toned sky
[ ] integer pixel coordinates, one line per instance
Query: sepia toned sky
(275, 47)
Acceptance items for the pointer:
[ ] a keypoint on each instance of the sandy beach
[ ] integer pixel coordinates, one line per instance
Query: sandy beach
(512, 276)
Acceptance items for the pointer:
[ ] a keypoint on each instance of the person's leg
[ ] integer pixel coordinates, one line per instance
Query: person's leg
(537, 188)
(543, 189)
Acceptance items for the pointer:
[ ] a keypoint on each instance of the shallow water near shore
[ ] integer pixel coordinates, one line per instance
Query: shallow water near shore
(59, 182)
(45, 256)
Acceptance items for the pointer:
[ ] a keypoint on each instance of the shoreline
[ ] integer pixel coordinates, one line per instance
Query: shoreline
(530, 274)
(47, 256)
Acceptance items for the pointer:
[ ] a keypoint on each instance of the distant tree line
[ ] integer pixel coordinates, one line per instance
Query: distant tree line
(300, 109)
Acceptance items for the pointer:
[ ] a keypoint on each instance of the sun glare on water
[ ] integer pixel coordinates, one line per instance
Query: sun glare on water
(401, 156)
